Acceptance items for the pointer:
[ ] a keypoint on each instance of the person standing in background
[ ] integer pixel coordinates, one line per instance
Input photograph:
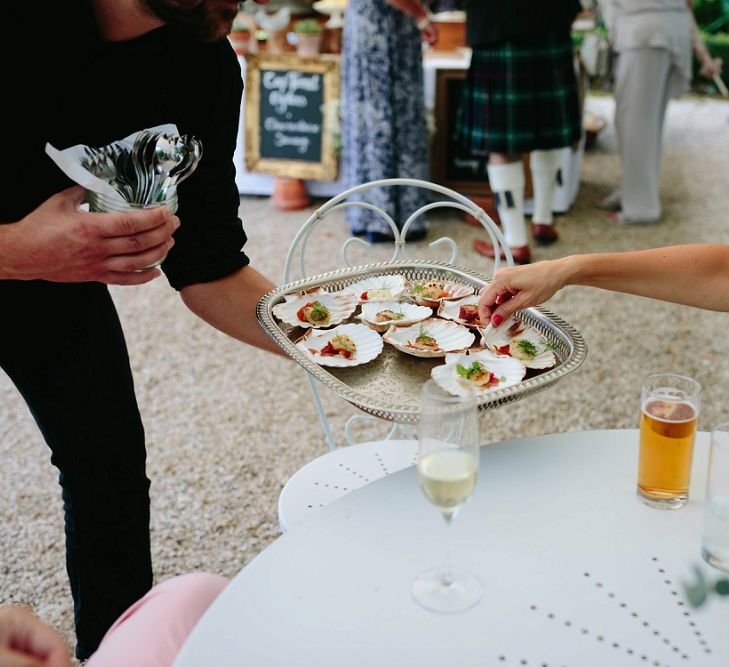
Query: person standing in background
(520, 97)
(653, 41)
(384, 127)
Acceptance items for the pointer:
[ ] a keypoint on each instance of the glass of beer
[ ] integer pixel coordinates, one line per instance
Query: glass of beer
(448, 448)
(669, 412)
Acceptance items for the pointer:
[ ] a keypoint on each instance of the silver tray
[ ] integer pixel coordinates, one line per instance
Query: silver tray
(389, 386)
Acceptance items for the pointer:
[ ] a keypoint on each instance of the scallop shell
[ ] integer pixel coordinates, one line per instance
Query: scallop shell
(449, 336)
(507, 369)
(512, 329)
(302, 293)
(369, 345)
(453, 289)
(411, 312)
(449, 310)
(341, 305)
(378, 288)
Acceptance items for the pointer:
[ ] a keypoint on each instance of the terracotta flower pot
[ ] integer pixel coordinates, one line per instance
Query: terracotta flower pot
(308, 44)
(241, 41)
(289, 194)
(276, 41)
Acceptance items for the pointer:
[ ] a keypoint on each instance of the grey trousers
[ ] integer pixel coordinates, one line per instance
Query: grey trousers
(645, 80)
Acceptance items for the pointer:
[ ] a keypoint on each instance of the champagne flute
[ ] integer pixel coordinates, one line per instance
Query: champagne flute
(448, 443)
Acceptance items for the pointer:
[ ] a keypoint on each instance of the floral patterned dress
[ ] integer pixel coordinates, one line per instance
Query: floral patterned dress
(384, 130)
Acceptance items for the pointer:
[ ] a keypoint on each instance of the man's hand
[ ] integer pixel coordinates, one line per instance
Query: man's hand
(711, 67)
(61, 243)
(25, 641)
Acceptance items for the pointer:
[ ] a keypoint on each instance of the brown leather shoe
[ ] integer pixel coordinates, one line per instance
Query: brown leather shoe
(544, 234)
(521, 254)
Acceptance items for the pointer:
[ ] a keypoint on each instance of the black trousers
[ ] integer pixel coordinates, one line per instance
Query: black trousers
(63, 347)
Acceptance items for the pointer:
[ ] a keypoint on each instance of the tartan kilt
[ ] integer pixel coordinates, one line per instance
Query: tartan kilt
(520, 96)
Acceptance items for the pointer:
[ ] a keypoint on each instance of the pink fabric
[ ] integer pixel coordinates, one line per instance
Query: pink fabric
(151, 632)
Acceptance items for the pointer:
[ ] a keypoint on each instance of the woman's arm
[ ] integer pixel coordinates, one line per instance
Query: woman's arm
(413, 8)
(693, 275)
(418, 10)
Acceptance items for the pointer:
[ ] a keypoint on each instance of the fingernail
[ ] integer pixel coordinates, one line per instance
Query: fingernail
(497, 319)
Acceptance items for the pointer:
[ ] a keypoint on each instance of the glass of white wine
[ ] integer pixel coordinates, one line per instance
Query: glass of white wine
(448, 443)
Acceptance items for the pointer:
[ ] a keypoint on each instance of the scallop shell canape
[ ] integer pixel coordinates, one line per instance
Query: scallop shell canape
(378, 288)
(303, 293)
(429, 338)
(432, 293)
(296, 312)
(463, 311)
(515, 339)
(381, 315)
(477, 373)
(319, 346)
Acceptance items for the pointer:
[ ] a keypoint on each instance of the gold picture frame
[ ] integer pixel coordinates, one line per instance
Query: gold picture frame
(325, 167)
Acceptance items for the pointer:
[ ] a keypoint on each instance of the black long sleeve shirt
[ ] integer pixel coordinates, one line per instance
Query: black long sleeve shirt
(489, 22)
(87, 91)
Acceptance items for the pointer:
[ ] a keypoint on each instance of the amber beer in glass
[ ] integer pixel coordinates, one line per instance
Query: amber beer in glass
(669, 414)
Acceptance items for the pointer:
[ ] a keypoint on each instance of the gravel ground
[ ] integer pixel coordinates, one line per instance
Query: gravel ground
(222, 442)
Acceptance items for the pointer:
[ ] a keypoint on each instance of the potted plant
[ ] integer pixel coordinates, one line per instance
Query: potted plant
(240, 35)
(308, 37)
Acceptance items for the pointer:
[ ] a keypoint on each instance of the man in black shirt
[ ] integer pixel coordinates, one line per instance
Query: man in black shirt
(113, 67)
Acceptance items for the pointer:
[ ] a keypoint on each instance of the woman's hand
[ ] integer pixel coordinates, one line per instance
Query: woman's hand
(25, 641)
(517, 287)
(429, 34)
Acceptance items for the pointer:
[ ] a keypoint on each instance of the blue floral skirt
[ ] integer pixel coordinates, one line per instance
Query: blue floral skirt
(384, 128)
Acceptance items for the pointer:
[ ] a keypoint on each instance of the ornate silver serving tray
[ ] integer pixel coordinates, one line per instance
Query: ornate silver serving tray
(389, 386)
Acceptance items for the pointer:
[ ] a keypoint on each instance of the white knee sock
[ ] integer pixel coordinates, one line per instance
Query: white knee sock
(507, 183)
(544, 166)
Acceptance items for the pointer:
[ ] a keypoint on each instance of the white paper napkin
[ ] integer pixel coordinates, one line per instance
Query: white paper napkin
(69, 161)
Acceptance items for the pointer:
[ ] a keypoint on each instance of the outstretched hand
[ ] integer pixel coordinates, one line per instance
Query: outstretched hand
(516, 287)
(25, 641)
(61, 243)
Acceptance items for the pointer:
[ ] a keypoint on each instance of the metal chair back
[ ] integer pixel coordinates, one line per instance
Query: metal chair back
(356, 196)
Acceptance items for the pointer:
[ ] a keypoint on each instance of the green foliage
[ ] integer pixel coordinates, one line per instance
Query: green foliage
(578, 36)
(240, 25)
(307, 27)
(709, 12)
(718, 46)
(699, 590)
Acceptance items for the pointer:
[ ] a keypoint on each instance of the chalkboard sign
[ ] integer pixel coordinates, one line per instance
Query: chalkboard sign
(289, 115)
(453, 165)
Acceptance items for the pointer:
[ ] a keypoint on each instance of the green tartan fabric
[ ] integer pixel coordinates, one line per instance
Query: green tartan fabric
(520, 96)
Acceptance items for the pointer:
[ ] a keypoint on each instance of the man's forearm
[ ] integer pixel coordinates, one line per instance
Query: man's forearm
(8, 251)
(229, 305)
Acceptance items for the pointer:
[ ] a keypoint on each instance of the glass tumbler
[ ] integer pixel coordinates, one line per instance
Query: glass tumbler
(101, 203)
(715, 535)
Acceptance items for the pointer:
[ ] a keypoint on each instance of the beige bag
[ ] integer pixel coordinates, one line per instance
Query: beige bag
(595, 54)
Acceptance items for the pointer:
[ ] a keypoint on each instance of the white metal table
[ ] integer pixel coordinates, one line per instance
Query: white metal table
(576, 571)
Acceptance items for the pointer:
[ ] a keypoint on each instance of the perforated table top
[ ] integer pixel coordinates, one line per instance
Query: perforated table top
(576, 572)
